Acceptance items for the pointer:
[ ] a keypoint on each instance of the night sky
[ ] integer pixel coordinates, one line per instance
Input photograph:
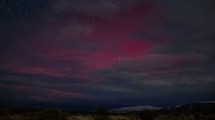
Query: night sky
(90, 53)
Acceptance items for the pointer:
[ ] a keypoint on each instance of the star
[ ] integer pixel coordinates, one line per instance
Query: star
(119, 58)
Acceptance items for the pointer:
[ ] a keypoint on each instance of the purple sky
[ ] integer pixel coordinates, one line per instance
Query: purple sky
(106, 52)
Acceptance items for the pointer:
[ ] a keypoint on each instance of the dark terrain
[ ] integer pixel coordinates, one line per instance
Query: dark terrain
(196, 111)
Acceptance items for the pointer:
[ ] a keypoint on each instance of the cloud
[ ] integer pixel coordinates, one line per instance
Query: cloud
(97, 8)
(190, 29)
(29, 87)
(158, 71)
(194, 12)
(92, 8)
(74, 31)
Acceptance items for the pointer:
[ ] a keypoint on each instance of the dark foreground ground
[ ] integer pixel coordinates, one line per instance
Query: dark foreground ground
(187, 112)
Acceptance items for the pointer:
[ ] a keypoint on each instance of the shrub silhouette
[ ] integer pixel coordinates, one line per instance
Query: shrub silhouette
(51, 114)
(198, 116)
(4, 111)
(147, 115)
(101, 114)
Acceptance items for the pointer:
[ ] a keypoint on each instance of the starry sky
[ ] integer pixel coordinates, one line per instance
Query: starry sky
(89, 53)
